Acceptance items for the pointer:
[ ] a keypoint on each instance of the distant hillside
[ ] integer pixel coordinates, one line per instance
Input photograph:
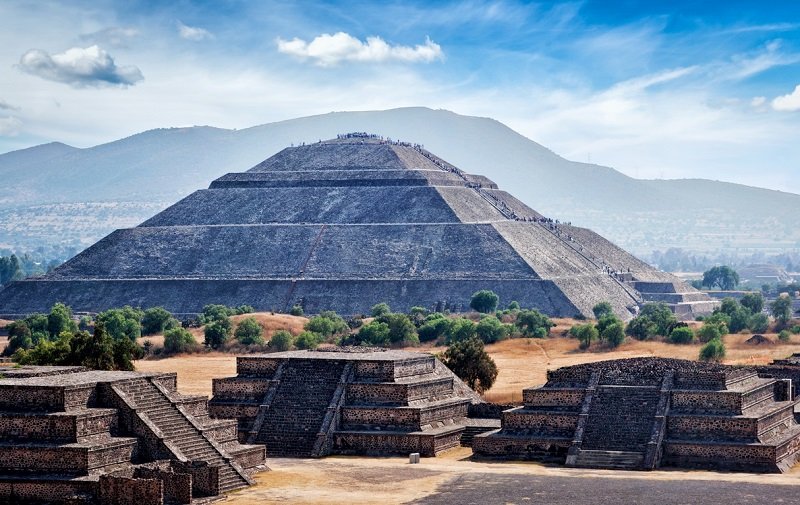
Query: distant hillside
(126, 181)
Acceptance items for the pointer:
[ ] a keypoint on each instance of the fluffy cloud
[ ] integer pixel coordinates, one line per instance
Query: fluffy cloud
(115, 36)
(79, 67)
(7, 106)
(193, 33)
(790, 102)
(9, 126)
(327, 50)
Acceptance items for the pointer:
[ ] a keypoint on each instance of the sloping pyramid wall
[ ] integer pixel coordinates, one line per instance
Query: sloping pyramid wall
(342, 225)
(71, 434)
(643, 413)
(344, 401)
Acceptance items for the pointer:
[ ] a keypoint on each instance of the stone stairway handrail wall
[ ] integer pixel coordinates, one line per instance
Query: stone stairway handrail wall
(652, 456)
(174, 399)
(577, 440)
(324, 442)
(266, 401)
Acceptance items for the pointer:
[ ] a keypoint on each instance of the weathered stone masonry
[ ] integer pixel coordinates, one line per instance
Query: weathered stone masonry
(646, 412)
(72, 435)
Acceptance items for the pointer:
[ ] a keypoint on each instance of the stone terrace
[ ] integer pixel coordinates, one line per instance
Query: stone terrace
(345, 401)
(68, 434)
(642, 413)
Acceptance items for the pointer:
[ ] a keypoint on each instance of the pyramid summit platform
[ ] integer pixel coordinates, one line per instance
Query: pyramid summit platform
(344, 224)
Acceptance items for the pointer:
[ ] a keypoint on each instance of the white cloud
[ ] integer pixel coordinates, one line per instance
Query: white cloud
(193, 33)
(328, 50)
(758, 101)
(790, 102)
(7, 106)
(115, 36)
(79, 67)
(9, 126)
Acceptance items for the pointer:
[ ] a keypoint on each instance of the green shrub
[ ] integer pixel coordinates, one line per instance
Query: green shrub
(469, 360)
(784, 336)
(585, 333)
(281, 340)
(614, 334)
(460, 329)
(401, 330)
(484, 301)
(513, 305)
(654, 319)
(490, 330)
(602, 309)
(681, 335)
(155, 320)
(434, 327)
(532, 323)
(374, 333)
(122, 323)
(759, 323)
(296, 310)
(709, 332)
(796, 329)
(217, 333)
(178, 340)
(308, 340)
(380, 309)
(249, 332)
(327, 324)
(713, 350)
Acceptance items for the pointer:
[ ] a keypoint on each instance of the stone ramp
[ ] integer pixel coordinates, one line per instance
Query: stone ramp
(621, 418)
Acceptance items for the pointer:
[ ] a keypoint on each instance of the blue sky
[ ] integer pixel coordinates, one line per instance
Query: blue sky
(654, 89)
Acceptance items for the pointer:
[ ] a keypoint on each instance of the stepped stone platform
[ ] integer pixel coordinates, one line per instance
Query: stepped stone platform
(345, 401)
(346, 223)
(643, 413)
(71, 435)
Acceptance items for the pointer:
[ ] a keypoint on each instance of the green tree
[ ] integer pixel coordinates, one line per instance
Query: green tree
(374, 333)
(308, 340)
(532, 323)
(19, 337)
(514, 305)
(418, 315)
(653, 319)
(484, 301)
(784, 336)
(469, 360)
(781, 310)
(602, 309)
(724, 277)
(10, 269)
(380, 309)
(460, 329)
(327, 324)
(217, 333)
(122, 323)
(296, 310)
(60, 320)
(681, 335)
(753, 301)
(281, 340)
(401, 329)
(215, 312)
(759, 323)
(738, 315)
(613, 334)
(178, 340)
(155, 320)
(585, 333)
(435, 326)
(491, 330)
(249, 332)
(713, 350)
(709, 332)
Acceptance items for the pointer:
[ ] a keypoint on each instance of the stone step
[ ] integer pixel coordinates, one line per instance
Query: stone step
(617, 460)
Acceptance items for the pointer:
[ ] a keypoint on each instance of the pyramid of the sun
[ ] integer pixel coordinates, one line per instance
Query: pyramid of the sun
(342, 225)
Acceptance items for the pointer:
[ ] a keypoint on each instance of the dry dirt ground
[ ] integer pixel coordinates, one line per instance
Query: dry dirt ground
(454, 478)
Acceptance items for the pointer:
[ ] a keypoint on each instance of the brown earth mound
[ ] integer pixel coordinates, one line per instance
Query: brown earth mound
(758, 340)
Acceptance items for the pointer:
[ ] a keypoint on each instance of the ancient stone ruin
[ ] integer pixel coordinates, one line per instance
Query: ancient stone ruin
(70, 435)
(643, 413)
(344, 224)
(345, 401)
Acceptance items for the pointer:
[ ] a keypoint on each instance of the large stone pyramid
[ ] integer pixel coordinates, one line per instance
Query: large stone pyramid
(344, 224)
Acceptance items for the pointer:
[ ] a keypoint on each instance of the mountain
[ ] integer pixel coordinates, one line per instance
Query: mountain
(119, 183)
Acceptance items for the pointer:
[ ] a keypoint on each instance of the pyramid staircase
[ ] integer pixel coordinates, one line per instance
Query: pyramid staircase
(315, 403)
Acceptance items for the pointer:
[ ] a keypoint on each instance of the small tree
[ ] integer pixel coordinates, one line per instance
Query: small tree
(249, 332)
(380, 309)
(435, 326)
(781, 310)
(602, 309)
(374, 333)
(155, 320)
(308, 340)
(681, 335)
(532, 323)
(122, 323)
(178, 340)
(784, 336)
(60, 320)
(471, 363)
(709, 332)
(514, 305)
(296, 310)
(491, 330)
(401, 329)
(753, 301)
(654, 319)
(460, 329)
(484, 301)
(327, 324)
(585, 333)
(217, 333)
(724, 277)
(713, 350)
(281, 340)
(613, 334)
